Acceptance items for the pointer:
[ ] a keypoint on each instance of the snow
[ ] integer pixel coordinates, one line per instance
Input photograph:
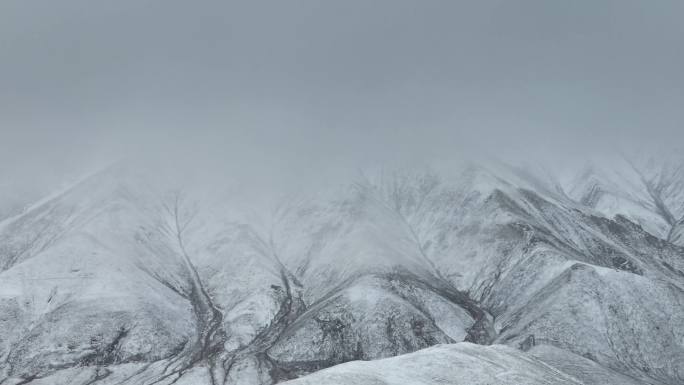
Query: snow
(461, 363)
(96, 277)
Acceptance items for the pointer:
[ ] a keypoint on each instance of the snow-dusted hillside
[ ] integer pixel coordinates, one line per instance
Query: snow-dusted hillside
(461, 363)
(121, 279)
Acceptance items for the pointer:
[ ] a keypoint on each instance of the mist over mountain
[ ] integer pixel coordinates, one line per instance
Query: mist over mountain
(131, 276)
(306, 192)
(303, 87)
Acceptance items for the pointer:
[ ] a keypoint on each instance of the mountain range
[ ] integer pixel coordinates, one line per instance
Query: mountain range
(482, 273)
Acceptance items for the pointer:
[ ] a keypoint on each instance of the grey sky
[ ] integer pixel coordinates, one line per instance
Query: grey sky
(293, 84)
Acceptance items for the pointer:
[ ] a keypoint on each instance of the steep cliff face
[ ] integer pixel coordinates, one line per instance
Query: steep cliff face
(118, 281)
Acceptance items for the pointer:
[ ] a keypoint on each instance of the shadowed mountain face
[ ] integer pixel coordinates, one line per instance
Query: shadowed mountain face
(119, 280)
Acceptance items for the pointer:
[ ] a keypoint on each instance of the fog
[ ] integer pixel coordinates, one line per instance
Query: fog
(299, 89)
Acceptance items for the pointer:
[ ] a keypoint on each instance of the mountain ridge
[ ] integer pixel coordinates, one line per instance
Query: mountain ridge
(118, 280)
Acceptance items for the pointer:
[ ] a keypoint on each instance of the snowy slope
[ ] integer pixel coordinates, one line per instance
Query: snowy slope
(456, 364)
(127, 278)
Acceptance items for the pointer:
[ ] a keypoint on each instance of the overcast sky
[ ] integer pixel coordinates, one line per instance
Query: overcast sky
(293, 84)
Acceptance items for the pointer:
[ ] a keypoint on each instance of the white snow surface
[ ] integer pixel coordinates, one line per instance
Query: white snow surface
(457, 364)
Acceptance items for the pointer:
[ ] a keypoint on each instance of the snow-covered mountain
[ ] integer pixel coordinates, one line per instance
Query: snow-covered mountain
(120, 279)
